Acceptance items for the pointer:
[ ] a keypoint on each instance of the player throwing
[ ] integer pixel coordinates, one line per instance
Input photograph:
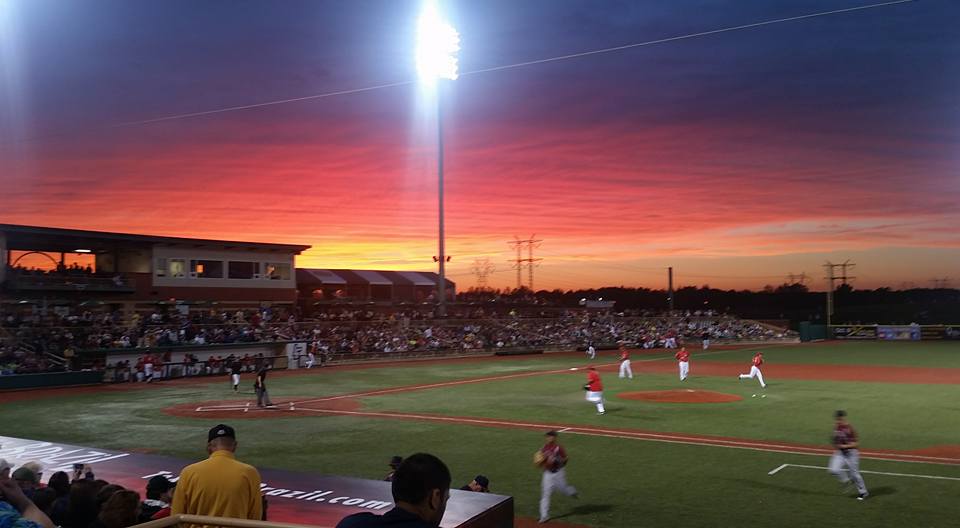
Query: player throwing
(755, 370)
(683, 362)
(625, 370)
(846, 454)
(594, 388)
(553, 459)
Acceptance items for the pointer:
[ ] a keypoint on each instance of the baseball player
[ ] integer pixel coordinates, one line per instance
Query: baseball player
(591, 351)
(755, 370)
(311, 355)
(594, 388)
(235, 368)
(553, 459)
(625, 370)
(846, 454)
(260, 385)
(683, 361)
(706, 340)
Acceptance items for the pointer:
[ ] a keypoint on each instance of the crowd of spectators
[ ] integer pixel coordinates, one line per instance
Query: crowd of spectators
(77, 500)
(64, 333)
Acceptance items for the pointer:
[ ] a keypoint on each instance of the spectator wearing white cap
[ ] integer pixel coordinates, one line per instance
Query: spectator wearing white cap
(5, 468)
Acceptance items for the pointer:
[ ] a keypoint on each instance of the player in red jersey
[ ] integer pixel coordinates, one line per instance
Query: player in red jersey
(845, 442)
(594, 388)
(625, 370)
(553, 460)
(755, 370)
(683, 361)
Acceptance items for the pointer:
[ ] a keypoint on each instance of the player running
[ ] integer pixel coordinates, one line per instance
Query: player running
(755, 370)
(553, 459)
(683, 361)
(625, 370)
(594, 388)
(591, 351)
(845, 442)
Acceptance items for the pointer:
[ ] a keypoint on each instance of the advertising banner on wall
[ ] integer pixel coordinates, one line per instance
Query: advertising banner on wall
(854, 332)
(899, 333)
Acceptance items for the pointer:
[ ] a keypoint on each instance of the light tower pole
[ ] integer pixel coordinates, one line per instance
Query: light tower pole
(437, 46)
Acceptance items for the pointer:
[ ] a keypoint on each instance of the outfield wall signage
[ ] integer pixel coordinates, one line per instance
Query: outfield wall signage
(899, 333)
(293, 497)
(854, 332)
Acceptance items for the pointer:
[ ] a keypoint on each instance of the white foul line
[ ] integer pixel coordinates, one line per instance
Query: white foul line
(937, 477)
(777, 469)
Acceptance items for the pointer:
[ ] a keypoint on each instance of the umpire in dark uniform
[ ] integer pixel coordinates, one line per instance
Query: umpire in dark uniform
(260, 385)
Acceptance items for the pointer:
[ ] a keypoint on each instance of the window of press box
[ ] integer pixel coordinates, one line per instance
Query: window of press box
(278, 271)
(177, 268)
(242, 270)
(206, 269)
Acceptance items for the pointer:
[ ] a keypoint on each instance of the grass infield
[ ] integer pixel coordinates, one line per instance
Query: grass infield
(624, 480)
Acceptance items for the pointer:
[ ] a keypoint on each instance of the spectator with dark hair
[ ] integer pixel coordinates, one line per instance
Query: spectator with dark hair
(159, 496)
(479, 483)
(421, 489)
(82, 508)
(121, 510)
(44, 498)
(395, 462)
(104, 493)
(220, 486)
(17, 511)
(60, 483)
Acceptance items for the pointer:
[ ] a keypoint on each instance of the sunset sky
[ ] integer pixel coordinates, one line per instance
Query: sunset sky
(737, 157)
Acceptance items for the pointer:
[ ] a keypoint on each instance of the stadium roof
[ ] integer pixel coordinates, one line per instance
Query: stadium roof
(316, 277)
(33, 238)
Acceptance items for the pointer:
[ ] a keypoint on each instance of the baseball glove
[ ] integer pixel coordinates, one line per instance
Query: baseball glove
(538, 458)
(586, 387)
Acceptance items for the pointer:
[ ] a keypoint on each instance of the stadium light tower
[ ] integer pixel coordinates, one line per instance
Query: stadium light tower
(437, 46)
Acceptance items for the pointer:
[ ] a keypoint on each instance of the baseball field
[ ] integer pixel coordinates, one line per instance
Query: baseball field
(730, 454)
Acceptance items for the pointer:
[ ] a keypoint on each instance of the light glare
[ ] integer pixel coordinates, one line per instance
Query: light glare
(437, 46)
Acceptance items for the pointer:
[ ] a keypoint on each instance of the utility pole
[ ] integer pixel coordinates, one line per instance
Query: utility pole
(829, 267)
(520, 262)
(482, 268)
(670, 287)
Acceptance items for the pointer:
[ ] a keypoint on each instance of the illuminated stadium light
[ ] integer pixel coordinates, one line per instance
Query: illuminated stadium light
(82, 251)
(437, 45)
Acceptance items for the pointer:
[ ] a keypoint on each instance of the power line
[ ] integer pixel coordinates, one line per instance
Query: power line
(189, 115)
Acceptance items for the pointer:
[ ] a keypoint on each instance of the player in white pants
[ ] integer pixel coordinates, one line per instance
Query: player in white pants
(554, 475)
(594, 388)
(625, 370)
(846, 454)
(591, 351)
(683, 361)
(755, 370)
(310, 359)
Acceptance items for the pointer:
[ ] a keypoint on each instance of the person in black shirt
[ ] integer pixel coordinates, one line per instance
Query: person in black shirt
(235, 369)
(421, 489)
(260, 385)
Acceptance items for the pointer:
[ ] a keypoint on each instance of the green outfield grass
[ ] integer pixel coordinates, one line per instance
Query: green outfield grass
(623, 482)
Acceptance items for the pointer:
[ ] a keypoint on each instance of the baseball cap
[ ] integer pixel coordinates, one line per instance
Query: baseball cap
(840, 414)
(221, 431)
(482, 480)
(552, 433)
(25, 474)
(396, 460)
(160, 484)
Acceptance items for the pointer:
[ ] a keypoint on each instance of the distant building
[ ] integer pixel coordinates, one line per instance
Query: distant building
(388, 287)
(133, 272)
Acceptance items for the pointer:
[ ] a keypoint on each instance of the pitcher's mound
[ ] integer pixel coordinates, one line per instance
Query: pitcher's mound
(681, 396)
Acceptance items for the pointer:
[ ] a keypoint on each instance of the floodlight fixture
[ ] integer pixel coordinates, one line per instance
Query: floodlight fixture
(437, 45)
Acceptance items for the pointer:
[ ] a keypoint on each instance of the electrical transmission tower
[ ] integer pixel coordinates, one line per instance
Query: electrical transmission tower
(943, 283)
(519, 263)
(482, 268)
(829, 267)
(797, 279)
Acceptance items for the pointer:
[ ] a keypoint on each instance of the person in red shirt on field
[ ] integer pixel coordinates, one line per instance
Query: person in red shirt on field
(845, 443)
(625, 370)
(552, 458)
(594, 388)
(755, 370)
(683, 361)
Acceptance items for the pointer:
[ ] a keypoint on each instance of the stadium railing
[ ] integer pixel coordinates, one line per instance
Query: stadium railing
(189, 521)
